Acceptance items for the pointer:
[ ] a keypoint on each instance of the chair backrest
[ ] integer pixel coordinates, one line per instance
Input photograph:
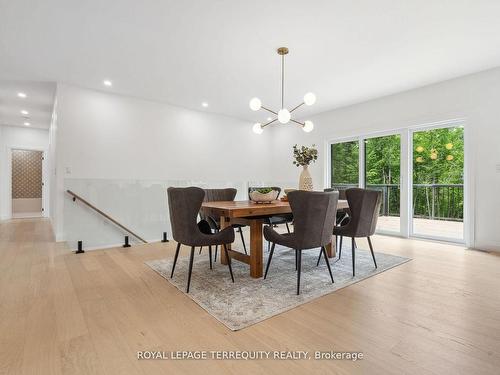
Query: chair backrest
(216, 195)
(184, 205)
(341, 192)
(278, 189)
(364, 207)
(314, 216)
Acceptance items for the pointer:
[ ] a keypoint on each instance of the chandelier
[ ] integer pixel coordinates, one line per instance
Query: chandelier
(284, 115)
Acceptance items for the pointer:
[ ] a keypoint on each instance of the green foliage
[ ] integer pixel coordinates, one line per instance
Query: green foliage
(383, 155)
(345, 163)
(439, 170)
(263, 190)
(304, 155)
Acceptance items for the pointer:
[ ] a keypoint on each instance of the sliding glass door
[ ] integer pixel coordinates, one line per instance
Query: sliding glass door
(373, 163)
(420, 173)
(382, 161)
(438, 183)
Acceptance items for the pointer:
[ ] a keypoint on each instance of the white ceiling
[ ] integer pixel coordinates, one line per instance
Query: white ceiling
(39, 103)
(223, 52)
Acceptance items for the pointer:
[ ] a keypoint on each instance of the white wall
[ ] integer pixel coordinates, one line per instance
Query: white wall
(16, 137)
(474, 97)
(104, 136)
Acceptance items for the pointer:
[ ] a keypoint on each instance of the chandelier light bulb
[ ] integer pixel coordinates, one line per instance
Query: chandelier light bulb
(255, 104)
(309, 98)
(284, 116)
(257, 128)
(308, 126)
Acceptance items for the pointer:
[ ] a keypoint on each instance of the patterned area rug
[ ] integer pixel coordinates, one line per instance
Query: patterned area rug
(249, 301)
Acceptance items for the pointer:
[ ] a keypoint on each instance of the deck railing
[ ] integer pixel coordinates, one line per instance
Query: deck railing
(430, 201)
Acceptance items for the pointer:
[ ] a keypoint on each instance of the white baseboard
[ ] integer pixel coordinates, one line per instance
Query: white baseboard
(489, 246)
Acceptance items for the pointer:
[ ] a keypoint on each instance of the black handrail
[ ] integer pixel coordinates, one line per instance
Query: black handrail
(76, 196)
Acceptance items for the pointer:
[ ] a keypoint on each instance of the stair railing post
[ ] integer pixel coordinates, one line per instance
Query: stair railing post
(80, 248)
(165, 239)
(126, 244)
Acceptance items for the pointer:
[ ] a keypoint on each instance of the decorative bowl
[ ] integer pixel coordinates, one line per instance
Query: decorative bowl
(259, 197)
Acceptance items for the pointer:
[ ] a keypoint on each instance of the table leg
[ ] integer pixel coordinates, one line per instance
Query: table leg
(222, 253)
(330, 248)
(256, 260)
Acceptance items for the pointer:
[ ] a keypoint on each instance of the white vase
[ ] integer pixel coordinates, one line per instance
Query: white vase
(305, 180)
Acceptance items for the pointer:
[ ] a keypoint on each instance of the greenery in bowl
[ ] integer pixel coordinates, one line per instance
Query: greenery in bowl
(263, 190)
(304, 155)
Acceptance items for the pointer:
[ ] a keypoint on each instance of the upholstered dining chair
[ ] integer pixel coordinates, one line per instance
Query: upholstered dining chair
(184, 205)
(343, 214)
(314, 217)
(278, 219)
(215, 195)
(364, 207)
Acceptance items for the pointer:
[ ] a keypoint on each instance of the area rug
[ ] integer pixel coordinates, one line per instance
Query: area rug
(249, 301)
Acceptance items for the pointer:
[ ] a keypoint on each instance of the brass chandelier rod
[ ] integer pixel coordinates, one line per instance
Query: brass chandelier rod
(269, 110)
(269, 123)
(282, 81)
(298, 122)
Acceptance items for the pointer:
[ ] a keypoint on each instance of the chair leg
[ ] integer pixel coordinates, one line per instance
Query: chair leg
(371, 249)
(269, 259)
(299, 264)
(323, 250)
(340, 247)
(295, 261)
(353, 256)
(287, 227)
(215, 256)
(210, 255)
(228, 262)
(242, 240)
(175, 259)
(319, 258)
(201, 247)
(190, 268)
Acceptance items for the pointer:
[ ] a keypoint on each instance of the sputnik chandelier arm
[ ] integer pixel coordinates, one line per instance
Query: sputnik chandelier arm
(284, 115)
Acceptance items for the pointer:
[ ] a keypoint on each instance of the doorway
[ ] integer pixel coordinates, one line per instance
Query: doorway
(27, 183)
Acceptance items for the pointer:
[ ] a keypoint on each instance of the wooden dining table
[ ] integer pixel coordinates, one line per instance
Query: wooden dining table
(253, 214)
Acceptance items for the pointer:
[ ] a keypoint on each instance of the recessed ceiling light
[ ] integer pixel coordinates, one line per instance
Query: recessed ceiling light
(107, 83)
(204, 104)
(27, 123)
(24, 112)
(22, 95)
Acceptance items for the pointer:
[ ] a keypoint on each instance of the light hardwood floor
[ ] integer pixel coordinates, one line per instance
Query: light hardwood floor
(62, 313)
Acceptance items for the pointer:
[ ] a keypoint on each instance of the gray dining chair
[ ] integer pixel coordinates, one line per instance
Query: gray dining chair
(216, 195)
(276, 219)
(364, 207)
(342, 214)
(184, 205)
(314, 218)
